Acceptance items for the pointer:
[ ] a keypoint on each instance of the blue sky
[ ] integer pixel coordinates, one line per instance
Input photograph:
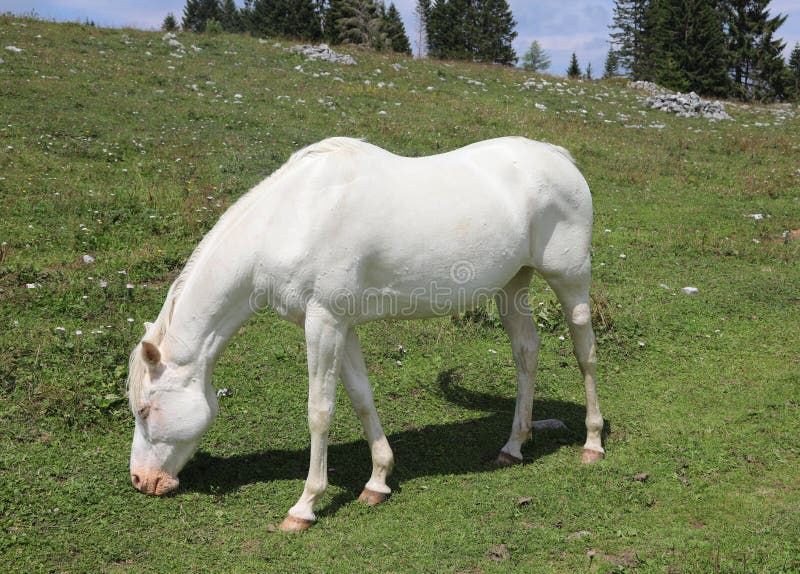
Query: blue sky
(560, 26)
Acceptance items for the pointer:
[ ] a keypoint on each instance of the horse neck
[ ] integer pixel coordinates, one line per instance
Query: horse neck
(211, 305)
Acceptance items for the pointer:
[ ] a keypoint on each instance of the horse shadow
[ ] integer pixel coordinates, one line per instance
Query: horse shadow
(462, 447)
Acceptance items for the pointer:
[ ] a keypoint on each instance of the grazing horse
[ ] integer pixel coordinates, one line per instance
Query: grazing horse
(346, 233)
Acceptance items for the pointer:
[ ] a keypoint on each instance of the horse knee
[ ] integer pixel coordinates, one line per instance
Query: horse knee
(581, 315)
(319, 419)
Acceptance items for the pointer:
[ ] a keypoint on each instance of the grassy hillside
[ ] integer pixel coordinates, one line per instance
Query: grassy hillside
(118, 151)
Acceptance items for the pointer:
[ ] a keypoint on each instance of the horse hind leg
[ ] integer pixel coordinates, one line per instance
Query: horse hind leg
(572, 290)
(512, 305)
(356, 383)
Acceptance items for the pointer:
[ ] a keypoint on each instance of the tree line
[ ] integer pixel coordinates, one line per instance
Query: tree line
(477, 30)
(363, 22)
(723, 48)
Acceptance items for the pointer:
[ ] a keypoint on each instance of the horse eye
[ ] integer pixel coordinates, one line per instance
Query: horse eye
(143, 412)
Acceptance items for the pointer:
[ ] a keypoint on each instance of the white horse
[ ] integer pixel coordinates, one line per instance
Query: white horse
(345, 233)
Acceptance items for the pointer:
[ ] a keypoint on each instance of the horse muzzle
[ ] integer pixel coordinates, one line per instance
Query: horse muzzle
(157, 483)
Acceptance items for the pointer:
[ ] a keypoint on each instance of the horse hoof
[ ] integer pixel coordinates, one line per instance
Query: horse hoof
(591, 456)
(294, 524)
(372, 498)
(505, 459)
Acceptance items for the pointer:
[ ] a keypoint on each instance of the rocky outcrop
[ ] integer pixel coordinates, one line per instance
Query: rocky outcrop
(323, 52)
(684, 105)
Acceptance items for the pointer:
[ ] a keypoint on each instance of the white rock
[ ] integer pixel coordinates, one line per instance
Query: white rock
(756, 216)
(13, 49)
(88, 259)
(691, 290)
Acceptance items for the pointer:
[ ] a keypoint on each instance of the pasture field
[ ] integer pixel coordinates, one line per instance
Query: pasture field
(118, 151)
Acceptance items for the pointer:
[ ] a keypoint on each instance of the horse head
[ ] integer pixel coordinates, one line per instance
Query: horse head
(173, 406)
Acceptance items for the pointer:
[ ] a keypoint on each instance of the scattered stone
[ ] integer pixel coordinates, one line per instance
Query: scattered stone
(324, 53)
(756, 216)
(691, 290)
(88, 259)
(524, 501)
(13, 49)
(641, 477)
(649, 87)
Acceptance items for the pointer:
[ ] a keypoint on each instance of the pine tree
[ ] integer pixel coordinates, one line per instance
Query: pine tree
(535, 59)
(574, 70)
(756, 62)
(588, 74)
(361, 23)
(288, 18)
(331, 15)
(496, 33)
(170, 24)
(611, 69)
(395, 31)
(628, 37)
(687, 44)
(477, 30)
(197, 13)
(422, 12)
(230, 17)
(794, 71)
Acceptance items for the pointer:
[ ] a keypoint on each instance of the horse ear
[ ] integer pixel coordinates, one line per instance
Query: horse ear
(150, 354)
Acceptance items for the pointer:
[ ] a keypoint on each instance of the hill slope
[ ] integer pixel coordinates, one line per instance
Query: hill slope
(119, 150)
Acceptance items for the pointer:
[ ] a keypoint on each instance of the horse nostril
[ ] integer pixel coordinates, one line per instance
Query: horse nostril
(136, 480)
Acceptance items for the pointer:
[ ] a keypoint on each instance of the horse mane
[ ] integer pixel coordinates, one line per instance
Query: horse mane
(157, 331)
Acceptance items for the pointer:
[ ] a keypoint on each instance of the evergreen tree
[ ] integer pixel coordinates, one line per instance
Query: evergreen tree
(197, 13)
(588, 74)
(496, 33)
(361, 23)
(628, 38)
(794, 71)
(477, 30)
(611, 69)
(170, 24)
(395, 31)
(331, 15)
(230, 17)
(756, 62)
(687, 44)
(288, 18)
(574, 70)
(535, 59)
(422, 12)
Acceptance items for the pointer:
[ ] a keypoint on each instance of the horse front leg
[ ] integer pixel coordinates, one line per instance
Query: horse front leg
(325, 344)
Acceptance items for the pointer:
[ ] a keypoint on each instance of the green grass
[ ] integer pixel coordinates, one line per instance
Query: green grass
(128, 157)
